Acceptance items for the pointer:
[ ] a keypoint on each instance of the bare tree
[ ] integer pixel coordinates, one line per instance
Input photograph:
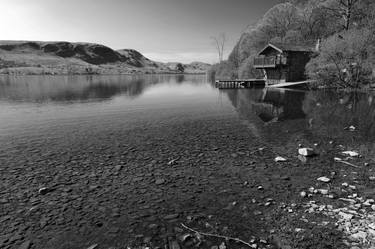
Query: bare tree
(219, 43)
(343, 9)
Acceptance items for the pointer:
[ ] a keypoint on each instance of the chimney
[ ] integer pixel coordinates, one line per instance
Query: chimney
(317, 45)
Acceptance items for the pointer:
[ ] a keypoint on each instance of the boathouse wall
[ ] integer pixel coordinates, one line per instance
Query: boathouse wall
(283, 63)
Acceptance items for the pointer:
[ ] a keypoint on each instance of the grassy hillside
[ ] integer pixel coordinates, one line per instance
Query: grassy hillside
(33, 57)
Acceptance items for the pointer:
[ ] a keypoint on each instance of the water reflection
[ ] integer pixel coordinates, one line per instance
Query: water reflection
(285, 116)
(82, 88)
(268, 105)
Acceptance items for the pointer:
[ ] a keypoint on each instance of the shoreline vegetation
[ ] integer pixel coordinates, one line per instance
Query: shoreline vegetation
(65, 58)
(344, 32)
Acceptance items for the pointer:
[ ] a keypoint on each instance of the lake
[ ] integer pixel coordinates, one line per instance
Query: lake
(33, 103)
(125, 159)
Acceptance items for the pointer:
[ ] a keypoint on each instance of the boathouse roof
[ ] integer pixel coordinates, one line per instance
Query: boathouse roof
(284, 47)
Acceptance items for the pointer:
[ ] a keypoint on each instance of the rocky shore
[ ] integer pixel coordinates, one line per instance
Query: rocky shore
(152, 186)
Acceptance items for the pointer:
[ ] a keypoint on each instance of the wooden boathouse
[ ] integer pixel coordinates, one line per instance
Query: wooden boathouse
(281, 63)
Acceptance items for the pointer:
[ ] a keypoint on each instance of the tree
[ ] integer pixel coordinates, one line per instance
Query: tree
(279, 20)
(345, 59)
(343, 9)
(315, 23)
(219, 43)
(180, 68)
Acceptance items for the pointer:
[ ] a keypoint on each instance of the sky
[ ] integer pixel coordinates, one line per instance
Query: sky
(162, 30)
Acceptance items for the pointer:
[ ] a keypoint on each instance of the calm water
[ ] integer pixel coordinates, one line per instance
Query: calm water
(32, 104)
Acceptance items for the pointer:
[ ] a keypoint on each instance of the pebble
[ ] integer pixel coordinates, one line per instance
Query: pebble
(303, 194)
(280, 159)
(159, 181)
(44, 191)
(171, 216)
(359, 236)
(346, 216)
(306, 152)
(323, 191)
(25, 245)
(222, 246)
(324, 179)
(350, 153)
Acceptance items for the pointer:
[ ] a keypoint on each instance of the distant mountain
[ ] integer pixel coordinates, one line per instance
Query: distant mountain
(135, 58)
(35, 57)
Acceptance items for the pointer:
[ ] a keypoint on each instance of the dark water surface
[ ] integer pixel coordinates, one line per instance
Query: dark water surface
(29, 105)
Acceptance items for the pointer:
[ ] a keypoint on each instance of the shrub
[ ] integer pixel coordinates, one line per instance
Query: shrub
(345, 60)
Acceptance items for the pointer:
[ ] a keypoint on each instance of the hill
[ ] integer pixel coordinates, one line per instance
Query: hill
(36, 57)
(344, 31)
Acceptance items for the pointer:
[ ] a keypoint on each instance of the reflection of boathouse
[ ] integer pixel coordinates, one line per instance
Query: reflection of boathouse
(282, 63)
(269, 104)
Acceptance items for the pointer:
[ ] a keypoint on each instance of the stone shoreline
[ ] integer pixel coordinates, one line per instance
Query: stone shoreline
(134, 186)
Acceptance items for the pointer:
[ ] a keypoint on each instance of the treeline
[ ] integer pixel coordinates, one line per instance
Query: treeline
(345, 29)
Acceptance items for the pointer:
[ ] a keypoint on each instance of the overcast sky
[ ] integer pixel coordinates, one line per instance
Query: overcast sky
(163, 30)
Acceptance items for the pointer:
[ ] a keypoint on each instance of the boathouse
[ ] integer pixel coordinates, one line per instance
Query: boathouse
(282, 63)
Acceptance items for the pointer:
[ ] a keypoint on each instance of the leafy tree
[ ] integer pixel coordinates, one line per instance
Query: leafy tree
(345, 60)
(279, 20)
(344, 9)
(180, 68)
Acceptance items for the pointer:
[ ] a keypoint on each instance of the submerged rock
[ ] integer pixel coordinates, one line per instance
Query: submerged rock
(324, 179)
(306, 152)
(25, 245)
(350, 153)
(280, 159)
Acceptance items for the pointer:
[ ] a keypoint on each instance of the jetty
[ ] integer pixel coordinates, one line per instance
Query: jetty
(298, 84)
(240, 83)
(260, 83)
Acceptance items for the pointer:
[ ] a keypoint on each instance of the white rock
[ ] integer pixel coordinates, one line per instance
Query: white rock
(350, 153)
(323, 179)
(323, 191)
(345, 184)
(306, 151)
(93, 246)
(373, 207)
(346, 216)
(371, 231)
(359, 236)
(280, 159)
(368, 202)
(303, 194)
(222, 246)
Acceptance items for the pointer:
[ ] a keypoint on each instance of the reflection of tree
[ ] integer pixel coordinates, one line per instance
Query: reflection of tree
(331, 112)
(180, 78)
(83, 88)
